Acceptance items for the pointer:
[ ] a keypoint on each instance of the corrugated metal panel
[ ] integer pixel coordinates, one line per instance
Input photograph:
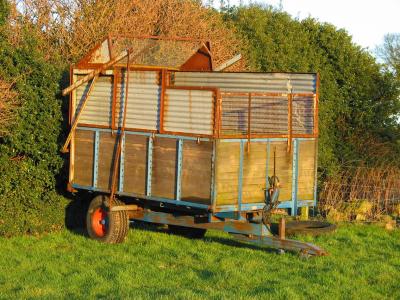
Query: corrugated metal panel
(144, 93)
(249, 82)
(98, 107)
(189, 111)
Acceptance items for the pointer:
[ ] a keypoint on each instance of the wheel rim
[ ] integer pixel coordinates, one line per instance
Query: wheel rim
(100, 222)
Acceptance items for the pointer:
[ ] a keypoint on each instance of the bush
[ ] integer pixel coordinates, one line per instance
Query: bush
(358, 100)
(29, 159)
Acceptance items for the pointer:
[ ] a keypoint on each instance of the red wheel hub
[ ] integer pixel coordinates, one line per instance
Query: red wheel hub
(99, 222)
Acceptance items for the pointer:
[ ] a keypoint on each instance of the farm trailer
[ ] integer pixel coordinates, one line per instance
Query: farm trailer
(160, 137)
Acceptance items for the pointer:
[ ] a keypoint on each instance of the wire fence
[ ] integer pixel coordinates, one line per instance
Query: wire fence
(369, 192)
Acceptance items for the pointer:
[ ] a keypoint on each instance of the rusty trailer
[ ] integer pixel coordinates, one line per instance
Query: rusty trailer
(158, 136)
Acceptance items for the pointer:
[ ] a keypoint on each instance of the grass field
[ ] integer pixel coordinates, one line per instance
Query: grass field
(364, 263)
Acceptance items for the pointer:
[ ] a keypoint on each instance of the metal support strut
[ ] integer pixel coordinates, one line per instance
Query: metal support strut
(117, 156)
(256, 233)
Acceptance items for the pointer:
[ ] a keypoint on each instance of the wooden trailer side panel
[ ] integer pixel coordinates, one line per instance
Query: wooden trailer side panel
(256, 165)
(194, 175)
(236, 179)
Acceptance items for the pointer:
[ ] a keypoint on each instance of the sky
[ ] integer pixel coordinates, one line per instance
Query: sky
(367, 21)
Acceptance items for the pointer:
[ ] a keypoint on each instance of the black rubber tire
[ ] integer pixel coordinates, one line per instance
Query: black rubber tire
(189, 232)
(313, 228)
(117, 224)
(124, 228)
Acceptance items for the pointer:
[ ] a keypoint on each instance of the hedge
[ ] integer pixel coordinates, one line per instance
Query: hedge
(29, 153)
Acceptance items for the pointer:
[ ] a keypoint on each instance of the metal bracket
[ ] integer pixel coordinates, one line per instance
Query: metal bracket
(122, 165)
(149, 171)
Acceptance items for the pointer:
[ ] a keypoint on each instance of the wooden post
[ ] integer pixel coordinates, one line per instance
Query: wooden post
(218, 120)
(114, 99)
(121, 134)
(304, 212)
(282, 228)
(228, 63)
(290, 122)
(76, 120)
(249, 124)
(95, 72)
(164, 83)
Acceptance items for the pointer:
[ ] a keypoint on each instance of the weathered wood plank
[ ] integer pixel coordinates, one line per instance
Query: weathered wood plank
(84, 157)
(283, 168)
(254, 173)
(196, 172)
(135, 166)
(227, 172)
(164, 168)
(107, 149)
(306, 177)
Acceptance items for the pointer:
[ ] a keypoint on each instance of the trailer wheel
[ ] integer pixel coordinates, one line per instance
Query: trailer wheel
(103, 225)
(313, 228)
(190, 232)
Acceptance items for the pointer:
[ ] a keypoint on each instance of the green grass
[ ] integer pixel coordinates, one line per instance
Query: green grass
(364, 263)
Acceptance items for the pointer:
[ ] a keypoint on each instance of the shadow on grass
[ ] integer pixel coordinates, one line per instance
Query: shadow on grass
(221, 240)
(75, 213)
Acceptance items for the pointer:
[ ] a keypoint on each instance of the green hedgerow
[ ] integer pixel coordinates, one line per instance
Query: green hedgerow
(29, 158)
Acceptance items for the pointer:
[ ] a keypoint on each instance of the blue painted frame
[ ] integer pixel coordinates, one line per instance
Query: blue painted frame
(213, 187)
(295, 177)
(149, 168)
(96, 157)
(122, 165)
(178, 175)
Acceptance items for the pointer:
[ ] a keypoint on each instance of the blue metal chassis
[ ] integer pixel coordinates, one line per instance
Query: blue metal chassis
(232, 211)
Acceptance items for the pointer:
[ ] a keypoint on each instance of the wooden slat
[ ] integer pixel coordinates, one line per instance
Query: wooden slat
(227, 172)
(306, 170)
(254, 173)
(164, 168)
(196, 172)
(107, 148)
(135, 163)
(84, 152)
(95, 72)
(78, 115)
(283, 168)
